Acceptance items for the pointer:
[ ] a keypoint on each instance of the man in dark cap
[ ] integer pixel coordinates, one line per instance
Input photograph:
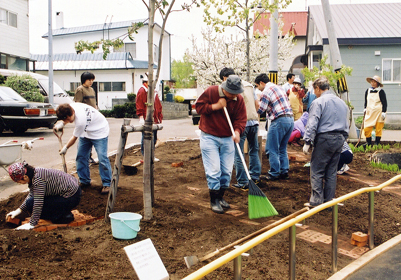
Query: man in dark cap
(216, 140)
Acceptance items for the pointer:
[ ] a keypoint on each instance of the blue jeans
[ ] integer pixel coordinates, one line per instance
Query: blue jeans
(277, 139)
(154, 139)
(251, 134)
(218, 160)
(83, 154)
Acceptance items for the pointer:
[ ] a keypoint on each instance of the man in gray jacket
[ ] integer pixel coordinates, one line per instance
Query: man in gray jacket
(326, 130)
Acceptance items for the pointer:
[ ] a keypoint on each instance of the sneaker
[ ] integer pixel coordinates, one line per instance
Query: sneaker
(105, 190)
(307, 204)
(92, 161)
(156, 159)
(342, 170)
(268, 177)
(244, 187)
(346, 167)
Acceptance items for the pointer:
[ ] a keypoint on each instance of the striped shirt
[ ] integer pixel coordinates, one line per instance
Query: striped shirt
(48, 182)
(274, 101)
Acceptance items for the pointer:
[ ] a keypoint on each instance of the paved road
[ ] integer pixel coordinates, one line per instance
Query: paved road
(45, 152)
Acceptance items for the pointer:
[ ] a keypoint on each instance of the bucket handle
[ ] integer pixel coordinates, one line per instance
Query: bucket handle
(134, 229)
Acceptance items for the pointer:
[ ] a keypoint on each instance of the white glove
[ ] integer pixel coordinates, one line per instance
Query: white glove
(383, 116)
(306, 149)
(26, 226)
(58, 126)
(28, 145)
(14, 213)
(64, 150)
(141, 121)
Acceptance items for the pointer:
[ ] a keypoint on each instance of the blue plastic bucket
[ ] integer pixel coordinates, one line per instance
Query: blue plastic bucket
(125, 225)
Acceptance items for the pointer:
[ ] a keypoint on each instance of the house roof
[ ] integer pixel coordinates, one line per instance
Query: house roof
(361, 23)
(299, 18)
(96, 27)
(87, 61)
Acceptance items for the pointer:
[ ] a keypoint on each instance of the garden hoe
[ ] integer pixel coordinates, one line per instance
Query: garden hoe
(61, 146)
(193, 260)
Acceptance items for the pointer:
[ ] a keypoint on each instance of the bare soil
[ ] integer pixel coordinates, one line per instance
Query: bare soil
(183, 223)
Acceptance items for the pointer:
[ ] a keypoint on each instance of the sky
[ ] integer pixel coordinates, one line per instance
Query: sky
(182, 25)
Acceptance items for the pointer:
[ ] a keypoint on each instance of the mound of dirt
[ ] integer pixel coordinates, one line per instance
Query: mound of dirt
(183, 223)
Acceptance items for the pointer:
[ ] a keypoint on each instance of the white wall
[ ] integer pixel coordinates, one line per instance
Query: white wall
(15, 41)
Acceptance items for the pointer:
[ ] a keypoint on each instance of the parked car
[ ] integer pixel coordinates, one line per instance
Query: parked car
(18, 115)
(60, 96)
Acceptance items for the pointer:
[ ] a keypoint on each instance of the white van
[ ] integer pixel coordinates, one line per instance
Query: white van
(60, 96)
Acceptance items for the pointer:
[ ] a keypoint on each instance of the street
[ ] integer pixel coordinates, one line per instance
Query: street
(45, 153)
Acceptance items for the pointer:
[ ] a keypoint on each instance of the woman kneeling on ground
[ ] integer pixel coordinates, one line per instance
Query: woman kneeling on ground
(52, 194)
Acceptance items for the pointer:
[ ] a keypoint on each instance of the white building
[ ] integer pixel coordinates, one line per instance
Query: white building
(116, 76)
(14, 35)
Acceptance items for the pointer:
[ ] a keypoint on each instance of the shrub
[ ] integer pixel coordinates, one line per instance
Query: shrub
(130, 110)
(179, 99)
(26, 86)
(2, 79)
(166, 89)
(131, 97)
(119, 111)
(107, 113)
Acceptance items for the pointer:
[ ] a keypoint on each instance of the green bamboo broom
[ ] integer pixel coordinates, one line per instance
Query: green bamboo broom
(259, 205)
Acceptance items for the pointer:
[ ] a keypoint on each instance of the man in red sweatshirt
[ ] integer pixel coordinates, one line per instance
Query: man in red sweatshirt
(216, 140)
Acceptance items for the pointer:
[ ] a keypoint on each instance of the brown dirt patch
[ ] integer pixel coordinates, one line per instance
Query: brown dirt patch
(183, 224)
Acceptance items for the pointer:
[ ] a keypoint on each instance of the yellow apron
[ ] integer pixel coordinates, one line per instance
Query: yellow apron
(373, 109)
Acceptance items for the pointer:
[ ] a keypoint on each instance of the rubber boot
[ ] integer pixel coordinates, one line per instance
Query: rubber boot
(223, 203)
(215, 202)
(369, 141)
(378, 140)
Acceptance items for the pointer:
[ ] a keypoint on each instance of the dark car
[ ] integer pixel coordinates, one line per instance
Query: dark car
(18, 115)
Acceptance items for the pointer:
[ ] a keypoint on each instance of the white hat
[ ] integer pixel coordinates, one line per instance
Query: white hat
(297, 80)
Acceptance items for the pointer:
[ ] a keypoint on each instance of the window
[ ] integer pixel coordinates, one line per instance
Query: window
(316, 60)
(3, 61)
(128, 47)
(392, 70)
(74, 86)
(112, 86)
(7, 17)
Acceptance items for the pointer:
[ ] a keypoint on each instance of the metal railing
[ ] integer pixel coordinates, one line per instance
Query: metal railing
(236, 253)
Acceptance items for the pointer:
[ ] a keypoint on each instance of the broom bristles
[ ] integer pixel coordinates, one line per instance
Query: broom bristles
(259, 205)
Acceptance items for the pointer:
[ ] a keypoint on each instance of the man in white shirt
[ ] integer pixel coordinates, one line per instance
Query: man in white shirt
(289, 84)
(92, 129)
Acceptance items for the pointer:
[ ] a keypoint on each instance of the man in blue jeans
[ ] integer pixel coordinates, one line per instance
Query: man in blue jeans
(250, 133)
(92, 129)
(275, 102)
(216, 139)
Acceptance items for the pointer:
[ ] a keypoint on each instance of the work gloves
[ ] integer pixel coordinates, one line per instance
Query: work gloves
(58, 126)
(14, 213)
(26, 226)
(141, 121)
(383, 116)
(305, 149)
(63, 151)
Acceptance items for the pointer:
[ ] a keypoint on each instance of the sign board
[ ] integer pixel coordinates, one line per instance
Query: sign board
(146, 261)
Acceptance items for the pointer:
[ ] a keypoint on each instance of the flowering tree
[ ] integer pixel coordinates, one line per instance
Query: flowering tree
(238, 14)
(218, 51)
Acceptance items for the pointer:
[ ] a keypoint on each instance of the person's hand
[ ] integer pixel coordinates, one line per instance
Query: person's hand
(236, 137)
(383, 116)
(306, 149)
(26, 226)
(63, 151)
(364, 110)
(141, 120)
(58, 126)
(221, 103)
(14, 213)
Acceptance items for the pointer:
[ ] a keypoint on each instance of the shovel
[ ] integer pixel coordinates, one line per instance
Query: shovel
(132, 169)
(360, 132)
(61, 146)
(193, 260)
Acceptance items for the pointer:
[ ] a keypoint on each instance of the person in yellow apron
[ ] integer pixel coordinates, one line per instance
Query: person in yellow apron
(375, 109)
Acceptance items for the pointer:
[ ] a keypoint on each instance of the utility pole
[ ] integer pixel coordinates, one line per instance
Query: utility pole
(51, 95)
(336, 62)
(273, 61)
